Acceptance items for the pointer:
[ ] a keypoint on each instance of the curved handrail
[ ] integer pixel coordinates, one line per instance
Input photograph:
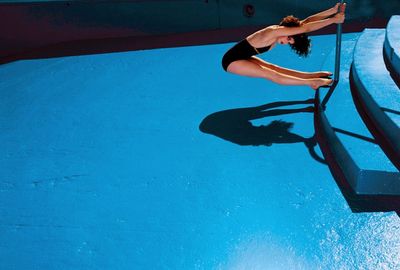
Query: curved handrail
(337, 64)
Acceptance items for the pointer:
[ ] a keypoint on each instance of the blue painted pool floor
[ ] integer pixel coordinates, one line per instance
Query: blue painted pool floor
(159, 159)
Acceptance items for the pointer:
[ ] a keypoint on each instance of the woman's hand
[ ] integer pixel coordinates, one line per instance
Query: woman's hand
(339, 8)
(339, 18)
(336, 8)
(342, 8)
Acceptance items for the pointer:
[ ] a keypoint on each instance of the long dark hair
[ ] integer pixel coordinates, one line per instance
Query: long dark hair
(302, 44)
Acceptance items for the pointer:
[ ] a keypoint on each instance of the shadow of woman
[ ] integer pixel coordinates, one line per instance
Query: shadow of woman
(235, 125)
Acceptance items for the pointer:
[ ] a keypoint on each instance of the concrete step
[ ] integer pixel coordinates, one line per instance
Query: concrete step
(366, 177)
(392, 48)
(376, 95)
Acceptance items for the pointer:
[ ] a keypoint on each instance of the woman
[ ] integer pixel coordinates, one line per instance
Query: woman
(240, 58)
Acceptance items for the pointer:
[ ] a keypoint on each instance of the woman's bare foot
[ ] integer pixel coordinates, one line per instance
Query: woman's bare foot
(317, 83)
(322, 74)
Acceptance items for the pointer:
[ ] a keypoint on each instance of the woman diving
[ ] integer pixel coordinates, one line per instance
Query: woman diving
(241, 59)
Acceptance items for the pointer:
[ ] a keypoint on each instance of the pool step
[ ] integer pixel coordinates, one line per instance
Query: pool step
(375, 93)
(367, 178)
(391, 51)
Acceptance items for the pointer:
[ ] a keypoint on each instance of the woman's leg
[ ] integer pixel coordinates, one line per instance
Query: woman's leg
(250, 69)
(290, 72)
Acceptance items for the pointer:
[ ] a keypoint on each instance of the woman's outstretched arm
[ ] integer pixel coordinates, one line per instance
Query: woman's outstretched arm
(322, 15)
(308, 27)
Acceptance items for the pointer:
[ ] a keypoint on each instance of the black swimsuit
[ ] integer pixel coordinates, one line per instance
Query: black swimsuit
(241, 51)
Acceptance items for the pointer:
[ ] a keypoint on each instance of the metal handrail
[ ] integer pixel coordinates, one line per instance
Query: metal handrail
(337, 64)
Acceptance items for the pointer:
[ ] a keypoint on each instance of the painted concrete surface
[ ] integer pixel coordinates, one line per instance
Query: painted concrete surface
(393, 43)
(48, 28)
(343, 115)
(374, 76)
(105, 166)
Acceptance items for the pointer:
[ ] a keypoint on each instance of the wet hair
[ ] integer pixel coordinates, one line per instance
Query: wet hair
(302, 44)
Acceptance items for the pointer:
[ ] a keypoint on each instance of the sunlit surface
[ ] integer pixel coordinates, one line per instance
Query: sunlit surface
(112, 162)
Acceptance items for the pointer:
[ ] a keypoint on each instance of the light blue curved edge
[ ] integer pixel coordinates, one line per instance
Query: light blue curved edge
(343, 166)
(392, 44)
(373, 88)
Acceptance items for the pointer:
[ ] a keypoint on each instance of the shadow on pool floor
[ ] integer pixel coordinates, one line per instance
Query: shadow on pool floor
(235, 125)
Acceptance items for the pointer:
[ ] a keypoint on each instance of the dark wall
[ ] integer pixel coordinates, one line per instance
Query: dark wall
(53, 28)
